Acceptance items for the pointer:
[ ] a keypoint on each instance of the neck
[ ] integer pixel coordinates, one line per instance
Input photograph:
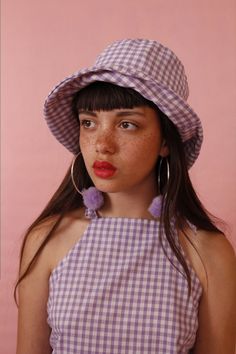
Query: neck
(133, 203)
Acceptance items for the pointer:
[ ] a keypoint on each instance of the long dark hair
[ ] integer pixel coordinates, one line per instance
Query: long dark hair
(181, 201)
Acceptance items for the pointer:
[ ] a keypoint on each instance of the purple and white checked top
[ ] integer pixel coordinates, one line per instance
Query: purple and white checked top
(116, 292)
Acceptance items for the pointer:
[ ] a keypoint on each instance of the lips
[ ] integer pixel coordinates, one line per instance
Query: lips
(103, 169)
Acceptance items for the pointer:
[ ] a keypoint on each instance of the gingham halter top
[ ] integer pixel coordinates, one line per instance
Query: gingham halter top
(116, 292)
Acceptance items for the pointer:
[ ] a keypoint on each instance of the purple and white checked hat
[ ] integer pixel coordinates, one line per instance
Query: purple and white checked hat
(144, 65)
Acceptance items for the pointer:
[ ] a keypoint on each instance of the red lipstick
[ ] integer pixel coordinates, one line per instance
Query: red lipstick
(103, 169)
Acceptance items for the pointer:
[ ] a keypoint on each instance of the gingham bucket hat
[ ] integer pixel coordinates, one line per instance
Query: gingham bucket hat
(144, 65)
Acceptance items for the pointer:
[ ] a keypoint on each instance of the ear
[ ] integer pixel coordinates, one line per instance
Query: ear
(164, 151)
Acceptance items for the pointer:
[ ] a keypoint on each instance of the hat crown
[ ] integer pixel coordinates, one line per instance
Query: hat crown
(148, 59)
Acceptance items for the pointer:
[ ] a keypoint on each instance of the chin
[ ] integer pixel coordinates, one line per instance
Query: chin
(107, 189)
(107, 186)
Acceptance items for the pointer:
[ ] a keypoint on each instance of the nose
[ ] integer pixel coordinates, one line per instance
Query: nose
(105, 142)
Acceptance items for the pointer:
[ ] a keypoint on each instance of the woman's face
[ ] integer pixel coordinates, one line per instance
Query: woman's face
(121, 147)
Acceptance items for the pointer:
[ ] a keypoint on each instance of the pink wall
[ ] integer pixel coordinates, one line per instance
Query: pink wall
(43, 41)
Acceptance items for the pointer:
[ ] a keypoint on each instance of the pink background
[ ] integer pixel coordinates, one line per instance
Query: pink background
(44, 41)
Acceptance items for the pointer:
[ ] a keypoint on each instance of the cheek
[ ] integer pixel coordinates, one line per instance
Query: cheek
(144, 149)
(86, 143)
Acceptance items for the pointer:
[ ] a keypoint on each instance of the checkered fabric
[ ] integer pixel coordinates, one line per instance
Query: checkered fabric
(116, 292)
(144, 65)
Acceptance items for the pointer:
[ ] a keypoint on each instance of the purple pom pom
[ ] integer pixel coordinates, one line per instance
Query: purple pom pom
(155, 207)
(93, 198)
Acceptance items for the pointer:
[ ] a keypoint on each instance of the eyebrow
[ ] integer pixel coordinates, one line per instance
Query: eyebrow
(118, 114)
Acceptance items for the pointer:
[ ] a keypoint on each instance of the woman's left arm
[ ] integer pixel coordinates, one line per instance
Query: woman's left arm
(217, 312)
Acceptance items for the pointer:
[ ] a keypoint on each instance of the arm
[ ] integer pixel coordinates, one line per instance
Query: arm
(33, 331)
(217, 311)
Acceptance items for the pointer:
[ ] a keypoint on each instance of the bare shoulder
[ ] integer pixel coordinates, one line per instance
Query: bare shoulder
(217, 251)
(217, 254)
(70, 229)
(214, 239)
(69, 232)
(212, 251)
(217, 309)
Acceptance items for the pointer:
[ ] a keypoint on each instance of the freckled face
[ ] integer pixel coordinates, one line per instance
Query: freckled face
(129, 139)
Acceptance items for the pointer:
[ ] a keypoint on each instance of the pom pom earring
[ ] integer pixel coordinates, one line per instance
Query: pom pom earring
(155, 207)
(93, 198)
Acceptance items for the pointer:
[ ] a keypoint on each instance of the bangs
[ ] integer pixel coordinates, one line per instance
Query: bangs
(104, 96)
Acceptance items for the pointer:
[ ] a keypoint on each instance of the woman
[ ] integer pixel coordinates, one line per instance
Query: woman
(124, 258)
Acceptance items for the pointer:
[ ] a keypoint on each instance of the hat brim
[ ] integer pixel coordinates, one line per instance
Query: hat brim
(64, 125)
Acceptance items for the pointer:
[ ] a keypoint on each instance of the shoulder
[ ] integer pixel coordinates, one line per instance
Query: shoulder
(216, 249)
(217, 254)
(215, 265)
(219, 259)
(217, 309)
(209, 252)
(68, 232)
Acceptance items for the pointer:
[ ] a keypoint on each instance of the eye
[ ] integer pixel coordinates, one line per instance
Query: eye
(128, 126)
(87, 123)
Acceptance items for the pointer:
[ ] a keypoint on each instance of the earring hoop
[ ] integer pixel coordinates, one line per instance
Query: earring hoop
(92, 197)
(159, 173)
(72, 172)
(156, 206)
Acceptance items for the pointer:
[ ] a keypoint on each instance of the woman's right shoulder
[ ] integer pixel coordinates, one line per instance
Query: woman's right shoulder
(68, 232)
